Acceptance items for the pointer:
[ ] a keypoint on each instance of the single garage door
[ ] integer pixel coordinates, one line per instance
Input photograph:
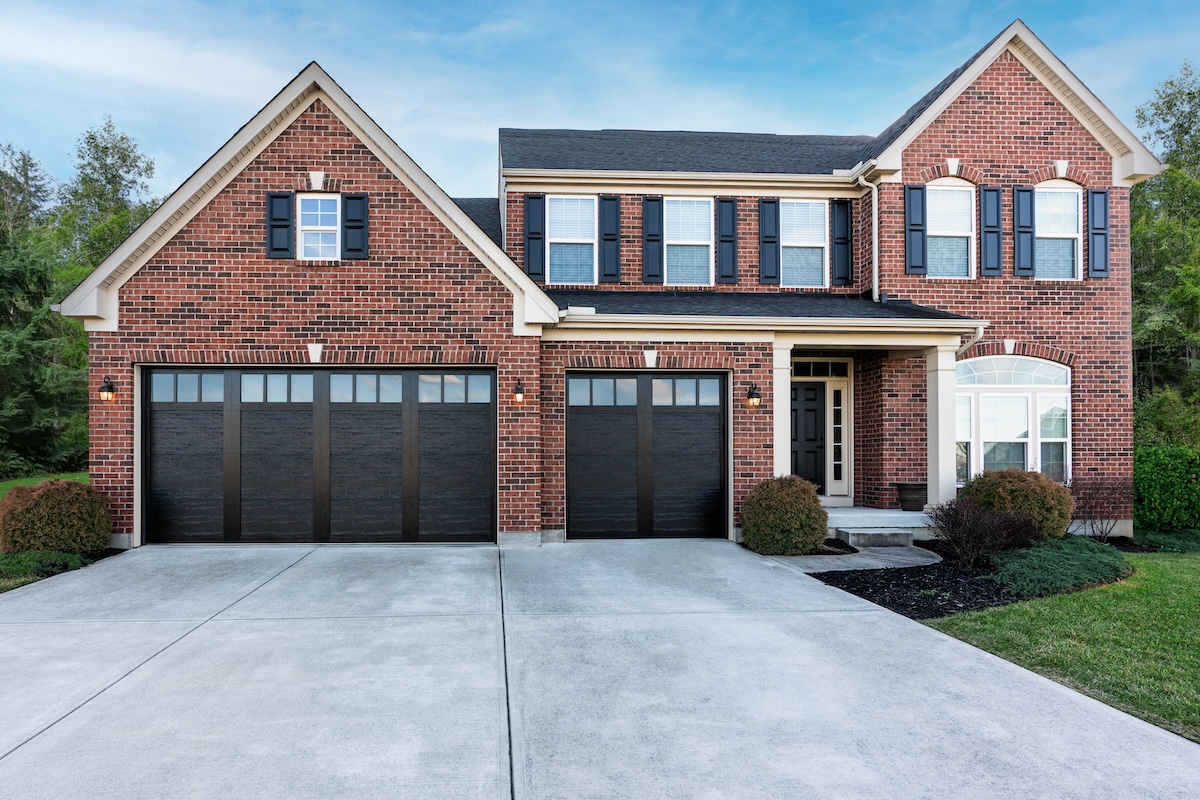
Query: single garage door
(320, 455)
(646, 455)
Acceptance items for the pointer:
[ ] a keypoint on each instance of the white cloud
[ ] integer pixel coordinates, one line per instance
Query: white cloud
(225, 70)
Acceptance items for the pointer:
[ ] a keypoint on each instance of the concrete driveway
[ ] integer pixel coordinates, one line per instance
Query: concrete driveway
(639, 669)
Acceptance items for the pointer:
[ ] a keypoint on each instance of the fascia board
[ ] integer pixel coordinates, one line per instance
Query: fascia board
(1022, 43)
(626, 180)
(584, 320)
(187, 201)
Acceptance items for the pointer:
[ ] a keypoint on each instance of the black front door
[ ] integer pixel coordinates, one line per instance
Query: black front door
(808, 432)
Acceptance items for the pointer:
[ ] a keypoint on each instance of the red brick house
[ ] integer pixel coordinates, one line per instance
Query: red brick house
(310, 341)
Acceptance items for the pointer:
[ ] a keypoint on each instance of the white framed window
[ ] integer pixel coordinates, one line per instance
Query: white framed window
(571, 240)
(950, 208)
(1058, 230)
(687, 237)
(318, 236)
(1013, 412)
(803, 241)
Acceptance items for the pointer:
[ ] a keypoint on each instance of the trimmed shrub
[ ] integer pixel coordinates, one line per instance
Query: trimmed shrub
(1170, 542)
(1166, 488)
(783, 517)
(55, 515)
(974, 535)
(1063, 565)
(38, 563)
(1048, 505)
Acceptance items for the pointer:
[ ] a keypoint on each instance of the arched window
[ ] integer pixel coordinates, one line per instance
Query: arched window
(1013, 412)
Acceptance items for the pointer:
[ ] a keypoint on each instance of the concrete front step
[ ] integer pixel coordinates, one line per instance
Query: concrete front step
(876, 537)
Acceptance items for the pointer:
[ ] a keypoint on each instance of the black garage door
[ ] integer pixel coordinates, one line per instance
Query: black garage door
(646, 455)
(320, 456)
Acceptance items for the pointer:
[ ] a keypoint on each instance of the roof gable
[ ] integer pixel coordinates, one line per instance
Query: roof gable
(1132, 161)
(95, 299)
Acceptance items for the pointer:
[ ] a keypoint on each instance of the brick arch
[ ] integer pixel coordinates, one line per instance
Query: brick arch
(995, 347)
(965, 171)
(637, 361)
(1075, 174)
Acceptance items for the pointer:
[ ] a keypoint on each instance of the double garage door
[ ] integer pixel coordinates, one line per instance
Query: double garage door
(646, 455)
(320, 455)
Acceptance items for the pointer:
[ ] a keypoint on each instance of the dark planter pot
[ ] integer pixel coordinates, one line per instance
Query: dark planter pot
(913, 496)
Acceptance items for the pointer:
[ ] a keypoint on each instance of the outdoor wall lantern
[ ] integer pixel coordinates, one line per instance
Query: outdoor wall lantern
(107, 391)
(753, 397)
(518, 393)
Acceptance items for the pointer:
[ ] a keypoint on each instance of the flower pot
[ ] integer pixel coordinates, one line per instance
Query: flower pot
(913, 496)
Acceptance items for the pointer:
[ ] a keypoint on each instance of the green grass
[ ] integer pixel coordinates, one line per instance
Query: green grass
(12, 583)
(1134, 645)
(82, 477)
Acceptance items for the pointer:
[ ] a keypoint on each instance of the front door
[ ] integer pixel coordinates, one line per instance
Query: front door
(808, 432)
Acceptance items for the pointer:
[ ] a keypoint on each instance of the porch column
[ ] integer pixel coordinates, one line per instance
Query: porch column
(781, 406)
(940, 411)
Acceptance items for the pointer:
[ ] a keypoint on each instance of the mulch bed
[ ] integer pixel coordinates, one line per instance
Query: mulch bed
(935, 590)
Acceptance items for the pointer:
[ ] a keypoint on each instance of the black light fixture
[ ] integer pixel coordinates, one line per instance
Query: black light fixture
(753, 397)
(518, 393)
(107, 391)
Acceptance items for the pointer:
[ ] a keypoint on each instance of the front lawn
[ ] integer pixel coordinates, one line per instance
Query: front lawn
(82, 477)
(1134, 645)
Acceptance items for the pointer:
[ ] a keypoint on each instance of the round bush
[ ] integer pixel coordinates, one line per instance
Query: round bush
(1048, 505)
(66, 516)
(783, 517)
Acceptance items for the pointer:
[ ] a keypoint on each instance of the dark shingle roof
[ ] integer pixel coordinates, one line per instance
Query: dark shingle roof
(893, 131)
(485, 212)
(744, 304)
(691, 151)
(678, 151)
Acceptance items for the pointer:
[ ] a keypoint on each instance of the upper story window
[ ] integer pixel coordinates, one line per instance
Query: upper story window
(950, 204)
(571, 239)
(318, 234)
(803, 232)
(1058, 243)
(687, 235)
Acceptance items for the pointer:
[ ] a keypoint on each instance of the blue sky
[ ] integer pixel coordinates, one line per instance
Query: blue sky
(441, 77)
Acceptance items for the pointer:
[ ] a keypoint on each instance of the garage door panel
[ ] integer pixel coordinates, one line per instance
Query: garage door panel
(457, 478)
(187, 474)
(366, 474)
(602, 473)
(688, 484)
(277, 475)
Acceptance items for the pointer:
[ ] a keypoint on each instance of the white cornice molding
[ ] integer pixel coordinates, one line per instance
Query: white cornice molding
(531, 306)
(586, 319)
(642, 182)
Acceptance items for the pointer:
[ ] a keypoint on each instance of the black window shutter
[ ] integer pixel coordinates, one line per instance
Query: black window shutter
(1023, 232)
(768, 241)
(990, 242)
(1097, 233)
(610, 239)
(652, 240)
(354, 226)
(840, 257)
(727, 240)
(535, 236)
(281, 225)
(916, 245)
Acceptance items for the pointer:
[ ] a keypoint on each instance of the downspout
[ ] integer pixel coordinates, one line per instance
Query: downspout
(974, 340)
(874, 187)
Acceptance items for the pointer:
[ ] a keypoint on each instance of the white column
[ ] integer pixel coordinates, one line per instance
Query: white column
(781, 406)
(940, 410)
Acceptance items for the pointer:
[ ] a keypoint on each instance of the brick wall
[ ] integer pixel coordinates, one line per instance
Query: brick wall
(211, 296)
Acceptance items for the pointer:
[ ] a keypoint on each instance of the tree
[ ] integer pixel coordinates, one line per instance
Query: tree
(51, 238)
(1165, 239)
